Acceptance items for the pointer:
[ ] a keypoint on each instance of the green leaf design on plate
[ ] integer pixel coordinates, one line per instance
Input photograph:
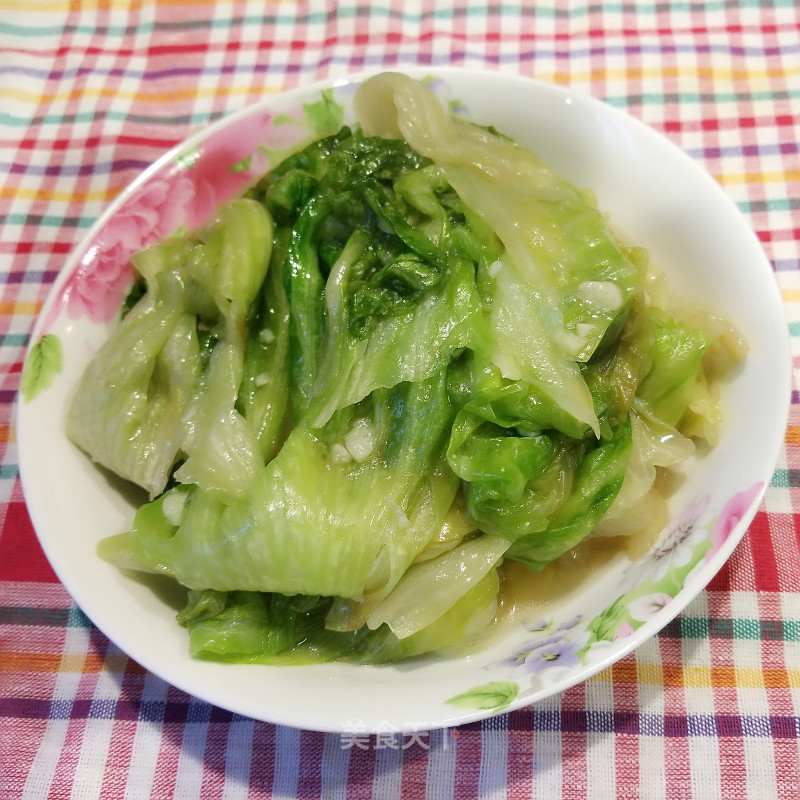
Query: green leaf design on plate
(188, 159)
(606, 624)
(242, 166)
(43, 364)
(494, 695)
(326, 115)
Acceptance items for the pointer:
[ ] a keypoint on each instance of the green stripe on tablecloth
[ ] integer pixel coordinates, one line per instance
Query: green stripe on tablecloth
(683, 627)
(44, 617)
(322, 17)
(779, 204)
(661, 99)
(13, 340)
(622, 101)
(343, 12)
(89, 116)
(730, 628)
(50, 220)
(8, 471)
(785, 479)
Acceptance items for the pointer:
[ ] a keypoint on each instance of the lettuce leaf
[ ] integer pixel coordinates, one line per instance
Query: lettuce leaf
(312, 521)
(252, 627)
(127, 411)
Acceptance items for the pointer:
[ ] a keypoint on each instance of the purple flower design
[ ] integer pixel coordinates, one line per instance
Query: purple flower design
(570, 623)
(538, 625)
(675, 549)
(554, 651)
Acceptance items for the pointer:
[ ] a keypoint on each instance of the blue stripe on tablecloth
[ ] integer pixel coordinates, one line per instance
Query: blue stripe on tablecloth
(74, 170)
(375, 11)
(49, 220)
(107, 167)
(684, 627)
(542, 52)
(17, 276)
(576, 721)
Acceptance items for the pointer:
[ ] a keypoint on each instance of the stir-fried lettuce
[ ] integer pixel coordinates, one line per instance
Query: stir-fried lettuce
(409, 353)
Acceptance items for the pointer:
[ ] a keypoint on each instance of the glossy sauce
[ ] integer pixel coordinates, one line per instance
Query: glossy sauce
(525, 595)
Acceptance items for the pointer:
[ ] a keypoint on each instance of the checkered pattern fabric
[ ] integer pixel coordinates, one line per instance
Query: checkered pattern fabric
(91, 93)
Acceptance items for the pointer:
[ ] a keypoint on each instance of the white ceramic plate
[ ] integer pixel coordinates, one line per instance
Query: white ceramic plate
(656, 197)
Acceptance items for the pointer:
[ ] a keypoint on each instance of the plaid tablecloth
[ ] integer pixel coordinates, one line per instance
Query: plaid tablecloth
(93, 91)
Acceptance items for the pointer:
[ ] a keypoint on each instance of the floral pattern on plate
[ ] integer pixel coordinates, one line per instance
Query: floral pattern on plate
(182, 193)
(649, 586)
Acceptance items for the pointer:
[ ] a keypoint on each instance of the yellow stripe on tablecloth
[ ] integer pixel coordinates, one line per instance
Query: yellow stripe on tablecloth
(59, 196)
(33, 7)
(22, 308)
(742, 677)
(653, 674)
(711, 74)
(792, 435)
(68, 662)
(138, 95)
(758, 177)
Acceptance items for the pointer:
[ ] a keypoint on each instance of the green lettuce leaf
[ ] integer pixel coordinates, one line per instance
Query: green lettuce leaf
(319, 519)
(127, 412)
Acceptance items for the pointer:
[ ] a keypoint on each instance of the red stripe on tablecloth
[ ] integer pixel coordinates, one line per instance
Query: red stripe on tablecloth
(169, 752)
(468, 761)
(67, 143)
(785, 535)
(213, 785)
(120, 751)
(21, 556)
(309, 779)
(360, 773)
(520, 759)
(723, 657)
(677, 753)
(721, 582)
(415, 774)
(754, 565)
(732, 765)
(759, 538)
(574, 743)
(626, 752)
(787, 762)
(19, 745)
(731, 749)
(262, 768)
(781, 695)
(38, 246)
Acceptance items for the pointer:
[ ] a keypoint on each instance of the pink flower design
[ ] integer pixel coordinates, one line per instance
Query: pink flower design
(646, 607)
(98, 285)
(226, 162)
(624, 631)
(184, 195)
(731, 515)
